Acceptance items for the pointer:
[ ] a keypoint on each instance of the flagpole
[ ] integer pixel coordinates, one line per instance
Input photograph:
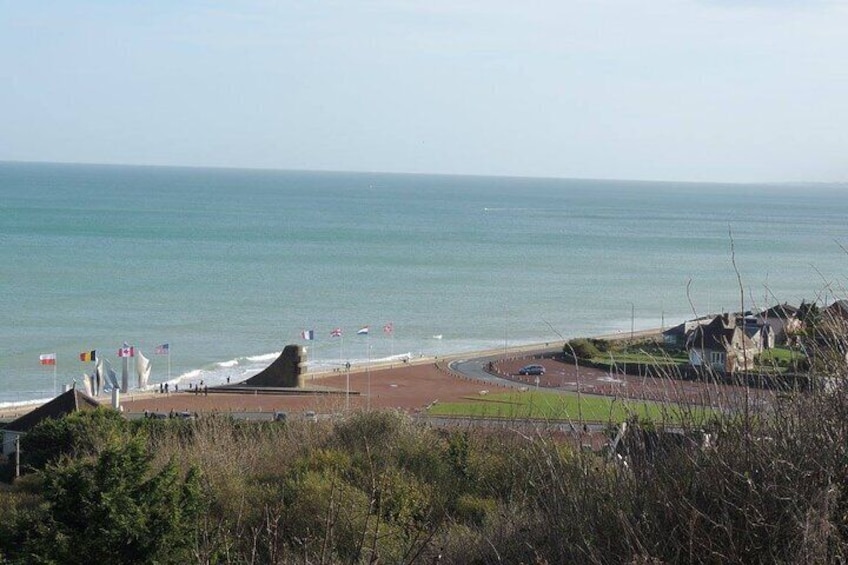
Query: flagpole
(368, 345)
(169, 361)
(347, 370)
(55, 364)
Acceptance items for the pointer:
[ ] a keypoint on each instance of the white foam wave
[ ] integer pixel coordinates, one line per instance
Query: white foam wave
(265, 357)
(22, 403)
(228, 364)
(190, 375)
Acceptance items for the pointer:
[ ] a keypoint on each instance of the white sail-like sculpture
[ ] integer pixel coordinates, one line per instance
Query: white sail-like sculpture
(97, 378)
(111, 375)
(142, 368)
(86, 383)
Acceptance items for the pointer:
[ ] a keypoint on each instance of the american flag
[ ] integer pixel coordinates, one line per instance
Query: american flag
(389, 328)
(337, 332)
(164, 349)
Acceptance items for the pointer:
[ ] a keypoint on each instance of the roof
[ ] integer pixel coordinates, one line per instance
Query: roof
(783, 311)
(64, 404)
(718, 335)
(677, 331)
(838, 308)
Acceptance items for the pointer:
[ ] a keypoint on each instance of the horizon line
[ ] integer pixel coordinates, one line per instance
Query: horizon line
(419, 173)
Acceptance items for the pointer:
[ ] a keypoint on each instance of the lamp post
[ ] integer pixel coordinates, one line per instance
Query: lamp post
(506, 331)
(347, 388)
(369, 377)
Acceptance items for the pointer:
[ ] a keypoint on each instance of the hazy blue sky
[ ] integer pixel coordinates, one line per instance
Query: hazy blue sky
(637, 89)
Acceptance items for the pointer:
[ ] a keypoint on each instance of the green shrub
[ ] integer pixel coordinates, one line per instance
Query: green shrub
(112, 508)
(80, 433)
(582, 348)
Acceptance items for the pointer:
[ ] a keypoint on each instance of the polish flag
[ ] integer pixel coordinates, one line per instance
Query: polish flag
(47, 358)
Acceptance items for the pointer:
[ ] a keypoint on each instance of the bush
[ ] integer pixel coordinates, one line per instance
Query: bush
(112, 509)
(80, 433)
(582, 348)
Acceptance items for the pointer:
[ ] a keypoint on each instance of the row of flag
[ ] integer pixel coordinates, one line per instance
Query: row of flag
(90, 356)
(309, 335)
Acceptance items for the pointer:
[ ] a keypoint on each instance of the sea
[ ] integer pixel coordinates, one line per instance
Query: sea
(229, 266)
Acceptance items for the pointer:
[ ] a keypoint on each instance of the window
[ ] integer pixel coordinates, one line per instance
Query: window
(717, 358)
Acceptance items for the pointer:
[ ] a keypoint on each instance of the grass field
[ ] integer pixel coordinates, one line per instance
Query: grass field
(568, 407)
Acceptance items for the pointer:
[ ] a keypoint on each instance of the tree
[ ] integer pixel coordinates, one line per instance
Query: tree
(112, 509)
(79, 433)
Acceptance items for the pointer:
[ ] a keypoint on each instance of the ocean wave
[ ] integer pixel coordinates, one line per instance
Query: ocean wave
(22, 403)
(265, 357)
(190, 375)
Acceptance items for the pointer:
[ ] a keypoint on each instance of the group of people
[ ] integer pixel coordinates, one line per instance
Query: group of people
(164, 388)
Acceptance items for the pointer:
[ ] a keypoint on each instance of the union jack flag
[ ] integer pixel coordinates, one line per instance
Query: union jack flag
(389, 328)
(337, 332)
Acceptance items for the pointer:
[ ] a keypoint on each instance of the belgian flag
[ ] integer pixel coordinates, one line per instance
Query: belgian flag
(88, 356)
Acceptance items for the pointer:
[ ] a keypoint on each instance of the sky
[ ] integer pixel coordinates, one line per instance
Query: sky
(700, 90)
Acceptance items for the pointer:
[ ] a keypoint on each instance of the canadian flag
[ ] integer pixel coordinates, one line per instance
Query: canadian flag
(126, 351)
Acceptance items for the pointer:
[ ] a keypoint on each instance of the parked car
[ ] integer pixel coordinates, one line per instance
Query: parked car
(531, 370)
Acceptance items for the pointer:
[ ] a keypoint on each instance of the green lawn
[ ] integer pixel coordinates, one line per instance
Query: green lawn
(777, 359)
(557, 406)
(648, 355)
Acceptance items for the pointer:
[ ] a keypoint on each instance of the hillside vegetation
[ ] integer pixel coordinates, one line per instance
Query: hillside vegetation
(772, 488)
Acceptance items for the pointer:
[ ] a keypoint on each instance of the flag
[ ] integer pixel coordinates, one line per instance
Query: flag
(164, 349)
(126, 351)
(88, 356)
(362, 331)
(308, 335)
(47, 358)
(389, 328)
(337, 332)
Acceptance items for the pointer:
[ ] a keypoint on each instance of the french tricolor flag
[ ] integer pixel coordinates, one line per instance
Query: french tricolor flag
(308, 335)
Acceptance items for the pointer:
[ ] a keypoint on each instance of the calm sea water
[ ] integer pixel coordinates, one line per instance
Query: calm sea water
(228, 266)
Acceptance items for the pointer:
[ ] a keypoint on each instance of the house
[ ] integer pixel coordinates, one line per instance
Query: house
(760, 333)
(676, 336)
(66, 403)
(836, 316)
(721, 345)
(784, 321)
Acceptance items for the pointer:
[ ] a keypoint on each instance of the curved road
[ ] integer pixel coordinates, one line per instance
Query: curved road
(475, 368)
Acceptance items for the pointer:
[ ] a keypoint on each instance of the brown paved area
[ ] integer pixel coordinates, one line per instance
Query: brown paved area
(410, 388)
